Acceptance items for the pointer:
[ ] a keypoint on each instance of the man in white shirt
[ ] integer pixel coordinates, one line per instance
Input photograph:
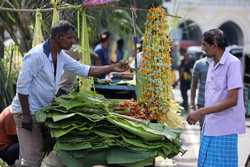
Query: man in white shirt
(37, 85)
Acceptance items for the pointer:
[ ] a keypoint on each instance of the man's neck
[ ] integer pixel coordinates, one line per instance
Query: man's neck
(218, 55)
(53, 49)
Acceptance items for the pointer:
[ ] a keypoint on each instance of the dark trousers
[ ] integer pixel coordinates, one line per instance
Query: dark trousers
(184, 90)
(10, 154)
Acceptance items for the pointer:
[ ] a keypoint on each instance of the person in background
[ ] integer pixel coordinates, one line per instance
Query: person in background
(37, 83)
(138, 53)
(9, 147)
(119, 50)
(185, 78)
(224, 109)
(102, 48)
(199, 77)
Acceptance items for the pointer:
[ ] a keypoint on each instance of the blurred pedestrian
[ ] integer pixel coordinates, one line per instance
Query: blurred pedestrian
(185, 78)
(199, 76)
(224, 109)
(102, 49)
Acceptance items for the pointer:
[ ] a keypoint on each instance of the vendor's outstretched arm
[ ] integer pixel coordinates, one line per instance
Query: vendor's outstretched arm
(99, 70)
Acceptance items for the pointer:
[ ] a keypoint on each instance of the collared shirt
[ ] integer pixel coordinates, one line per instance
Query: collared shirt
(200, 73)
(37, 77)
(222, 77)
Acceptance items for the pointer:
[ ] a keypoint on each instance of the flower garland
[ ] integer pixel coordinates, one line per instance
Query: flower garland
(155, 71)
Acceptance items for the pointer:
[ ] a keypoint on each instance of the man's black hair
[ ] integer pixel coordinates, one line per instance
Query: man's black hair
(61, 27)
(215, 36)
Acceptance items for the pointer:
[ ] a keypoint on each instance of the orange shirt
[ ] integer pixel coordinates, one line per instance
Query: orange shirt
(7, 127)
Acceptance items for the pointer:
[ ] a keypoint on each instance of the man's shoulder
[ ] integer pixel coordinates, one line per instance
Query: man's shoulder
(98, 47)
(35, 51)
(202, 60)
(199, 62)
(232, 59)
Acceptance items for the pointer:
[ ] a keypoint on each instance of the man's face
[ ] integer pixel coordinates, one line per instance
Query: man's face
(208, 48)
(66, 40)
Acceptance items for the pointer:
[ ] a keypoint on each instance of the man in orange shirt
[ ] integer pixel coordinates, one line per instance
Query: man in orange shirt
(9, 147)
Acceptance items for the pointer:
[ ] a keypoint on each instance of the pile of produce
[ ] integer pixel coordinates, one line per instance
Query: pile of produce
(154, 78)
(135, 110)
(89, 131)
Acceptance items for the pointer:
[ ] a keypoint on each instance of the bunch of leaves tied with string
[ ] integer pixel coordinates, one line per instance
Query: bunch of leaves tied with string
(154, 75)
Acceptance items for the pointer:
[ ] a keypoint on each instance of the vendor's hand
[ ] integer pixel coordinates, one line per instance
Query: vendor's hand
(121, 66)
(27, 122)
(195, 116)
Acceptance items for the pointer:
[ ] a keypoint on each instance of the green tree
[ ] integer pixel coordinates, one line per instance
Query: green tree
(19, 24)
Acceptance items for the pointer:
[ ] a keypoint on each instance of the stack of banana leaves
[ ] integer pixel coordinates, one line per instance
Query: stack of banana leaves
(88, 131)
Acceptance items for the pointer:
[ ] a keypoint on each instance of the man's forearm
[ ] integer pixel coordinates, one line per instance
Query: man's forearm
(24, 104)
(230, 101)
(220, 106)
(99, 70)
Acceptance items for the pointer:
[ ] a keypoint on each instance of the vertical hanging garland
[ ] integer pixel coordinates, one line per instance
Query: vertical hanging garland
(85, 83)
(38, 35)
(154, 91)
(55, 15)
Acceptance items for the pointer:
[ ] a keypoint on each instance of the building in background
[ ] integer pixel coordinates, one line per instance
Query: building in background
(198, 16)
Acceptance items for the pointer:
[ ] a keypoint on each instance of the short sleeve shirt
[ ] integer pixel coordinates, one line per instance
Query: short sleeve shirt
(222, 77)
(200, 73)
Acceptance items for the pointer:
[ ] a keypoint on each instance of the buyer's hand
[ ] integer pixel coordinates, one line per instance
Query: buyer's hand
(195, 116)
(27, 122)
(121, 66)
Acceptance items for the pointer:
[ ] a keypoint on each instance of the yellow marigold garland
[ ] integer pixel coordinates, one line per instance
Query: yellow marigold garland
(155, 71)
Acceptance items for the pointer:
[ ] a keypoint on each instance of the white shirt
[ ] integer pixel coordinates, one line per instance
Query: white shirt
(37, 80)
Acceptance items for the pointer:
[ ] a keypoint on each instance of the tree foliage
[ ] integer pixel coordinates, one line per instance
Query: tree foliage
(19, 24)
